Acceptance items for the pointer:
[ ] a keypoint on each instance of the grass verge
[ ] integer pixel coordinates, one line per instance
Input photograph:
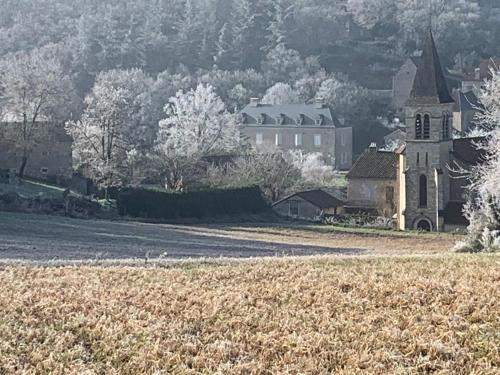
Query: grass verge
(29, 189)
(314, 316)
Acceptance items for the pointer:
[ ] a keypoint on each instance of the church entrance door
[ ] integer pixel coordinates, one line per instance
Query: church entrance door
(424, 226)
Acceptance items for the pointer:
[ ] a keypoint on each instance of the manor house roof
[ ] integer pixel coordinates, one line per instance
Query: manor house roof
(318, 114)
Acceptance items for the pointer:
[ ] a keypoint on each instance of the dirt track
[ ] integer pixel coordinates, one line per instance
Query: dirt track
(43, 238)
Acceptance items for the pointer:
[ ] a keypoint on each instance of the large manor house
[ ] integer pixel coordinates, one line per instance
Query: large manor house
(419, 183)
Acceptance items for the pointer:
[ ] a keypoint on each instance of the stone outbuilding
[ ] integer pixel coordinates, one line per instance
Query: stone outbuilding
(51, 157)
(309, 205)
(373, 183)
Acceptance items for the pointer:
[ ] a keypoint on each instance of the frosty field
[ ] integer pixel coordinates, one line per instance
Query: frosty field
(35, 238)
(324, 315)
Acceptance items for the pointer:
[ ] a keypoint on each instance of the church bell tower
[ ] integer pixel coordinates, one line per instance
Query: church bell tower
(428, 144)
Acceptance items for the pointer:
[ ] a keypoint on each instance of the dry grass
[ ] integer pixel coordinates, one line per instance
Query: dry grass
(313, 316)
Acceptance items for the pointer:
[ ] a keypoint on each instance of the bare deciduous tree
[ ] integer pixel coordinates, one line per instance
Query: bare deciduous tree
(33, 89)
(114, 129)
(483, 206)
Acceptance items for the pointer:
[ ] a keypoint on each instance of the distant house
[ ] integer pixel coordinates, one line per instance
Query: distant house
(402, 83)
(309, 128)
(373, 183)
(466, 107)
(397, 137)
(309, 205)
(473, 80)
(50, 158)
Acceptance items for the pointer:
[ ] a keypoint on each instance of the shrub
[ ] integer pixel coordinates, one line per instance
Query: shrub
(200, 204)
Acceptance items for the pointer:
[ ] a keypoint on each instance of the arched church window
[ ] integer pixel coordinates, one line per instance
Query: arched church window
(446, 125)
(423, 191)
(427, 127)
(418, 127)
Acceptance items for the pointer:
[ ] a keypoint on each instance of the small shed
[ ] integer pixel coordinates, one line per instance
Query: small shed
(309, 205)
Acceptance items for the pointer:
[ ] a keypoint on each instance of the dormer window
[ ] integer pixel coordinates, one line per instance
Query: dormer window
(261, 119)
(319, 120)
(280, 120)
(300, 119)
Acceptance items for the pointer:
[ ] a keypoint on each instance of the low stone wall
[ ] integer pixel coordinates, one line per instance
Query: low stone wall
(71, 206)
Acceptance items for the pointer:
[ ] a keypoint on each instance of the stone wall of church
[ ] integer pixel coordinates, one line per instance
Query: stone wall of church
(430, 158)
(377, 194)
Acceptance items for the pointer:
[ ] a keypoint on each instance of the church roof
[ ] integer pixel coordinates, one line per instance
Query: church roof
(465, 102)
(375, 164)
(429, 86)
(467, 150)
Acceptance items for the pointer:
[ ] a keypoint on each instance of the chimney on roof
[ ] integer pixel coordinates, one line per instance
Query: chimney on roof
(477, 74)
(373, 147)
(254, 102)
(319, 103)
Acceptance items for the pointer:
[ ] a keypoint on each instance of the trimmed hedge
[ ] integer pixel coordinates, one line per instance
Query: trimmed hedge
(199, 204)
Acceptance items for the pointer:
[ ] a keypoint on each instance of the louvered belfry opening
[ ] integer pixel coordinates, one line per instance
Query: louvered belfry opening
(418, 127)
(427, 127)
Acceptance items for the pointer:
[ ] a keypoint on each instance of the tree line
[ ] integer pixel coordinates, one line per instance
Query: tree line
(243, 48)
(121, 71)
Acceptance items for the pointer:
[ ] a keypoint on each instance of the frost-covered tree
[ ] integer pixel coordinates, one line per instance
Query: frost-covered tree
(34, 88)
(345, 97)
(239, 96)
(279, 26)
(228, 85)
(283, 64)
(449, 18)
(370, 13)
(270, 170)
(308, 86)
(197, 125)
(281, 93)
(115, 128)
(483, 206)
(314, 171)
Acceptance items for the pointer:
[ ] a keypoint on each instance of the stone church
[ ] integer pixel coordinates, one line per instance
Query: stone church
(433, 193)
(418, 183)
